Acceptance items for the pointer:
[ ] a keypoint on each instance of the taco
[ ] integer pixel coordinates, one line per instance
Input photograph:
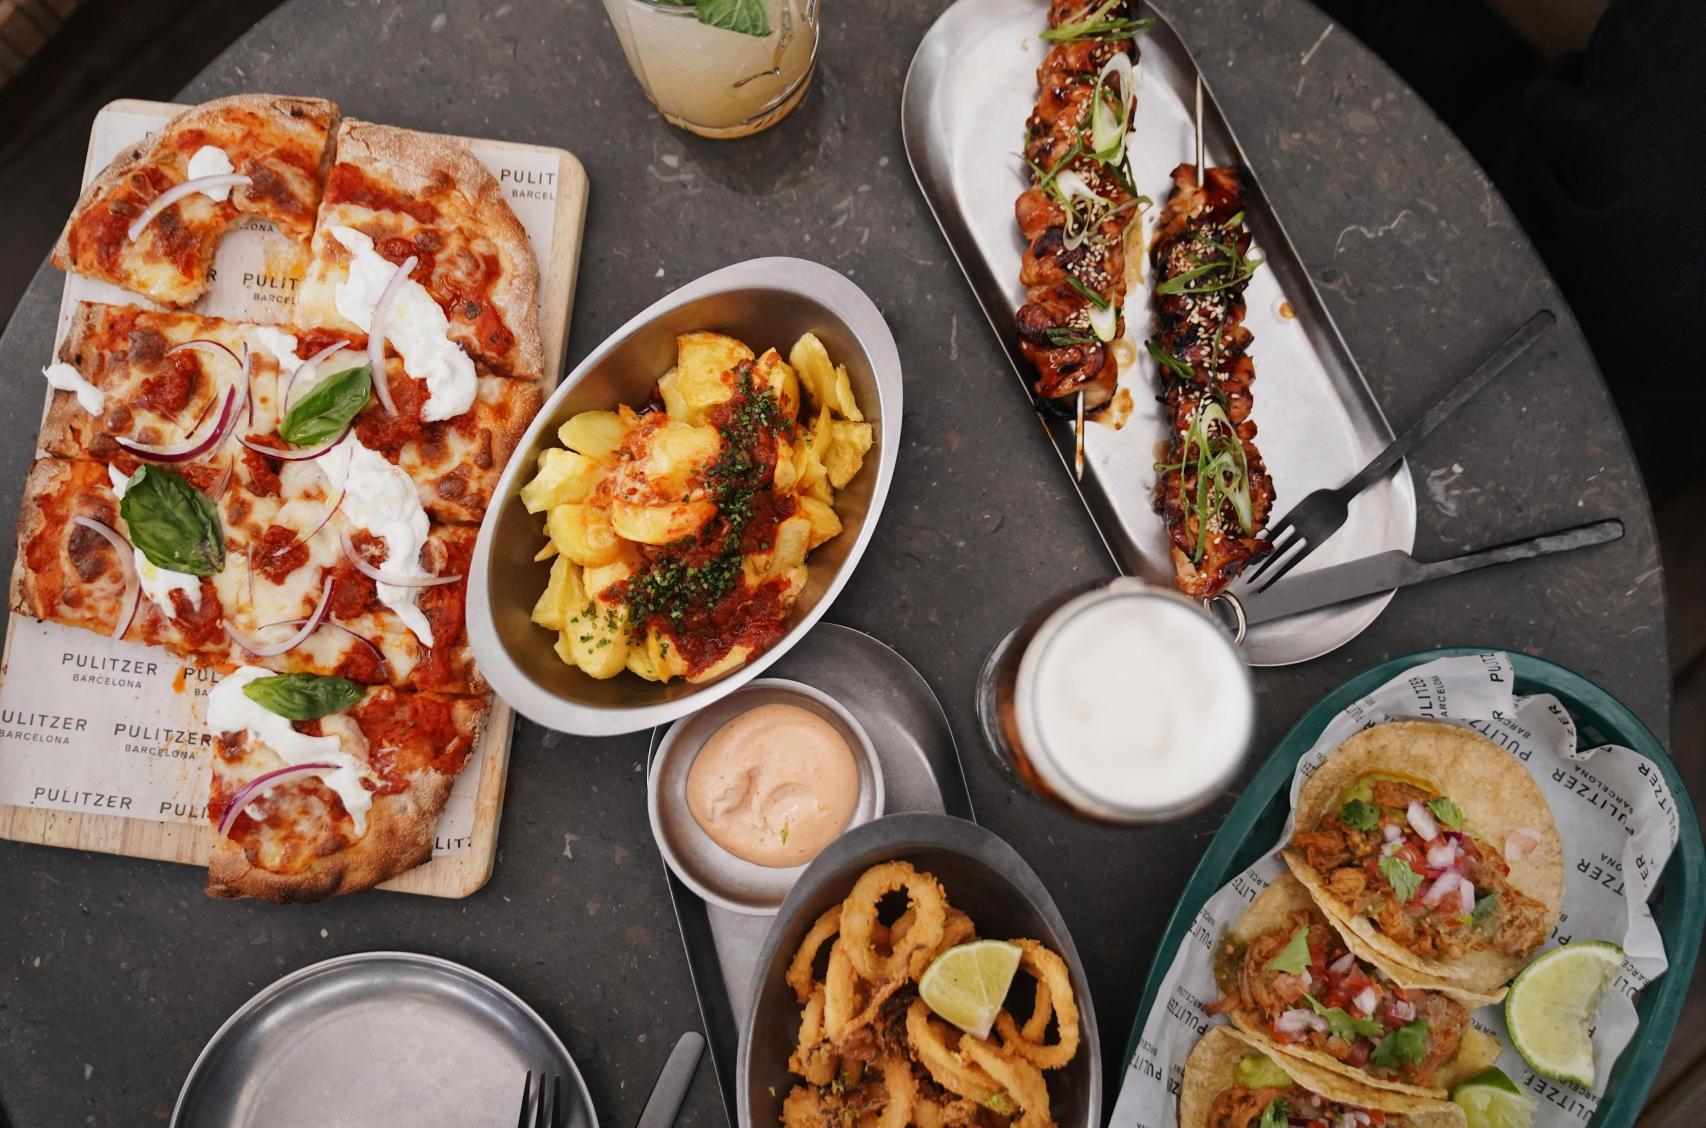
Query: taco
(1230, 1082)
(1291, 982)
(1434, 847)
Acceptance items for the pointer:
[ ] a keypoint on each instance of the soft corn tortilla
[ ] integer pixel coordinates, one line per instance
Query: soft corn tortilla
(1270, 911)
(1495, 793)
(1213, 1068)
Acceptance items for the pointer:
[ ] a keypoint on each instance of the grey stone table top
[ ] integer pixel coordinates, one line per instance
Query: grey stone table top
(114, 972)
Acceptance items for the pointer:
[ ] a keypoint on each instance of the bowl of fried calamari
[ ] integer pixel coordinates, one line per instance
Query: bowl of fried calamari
(839, 1030)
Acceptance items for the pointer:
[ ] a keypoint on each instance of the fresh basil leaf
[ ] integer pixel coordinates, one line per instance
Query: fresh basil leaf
(326, 410)
(175, 525)
(745, 16)
(1404, 880)
(1276, 1115)
(1359, 815)
(1341, 1025)
(304, 697)
(1295, 956)
(1446, 812)
(1404, 1046)
(1484, 905)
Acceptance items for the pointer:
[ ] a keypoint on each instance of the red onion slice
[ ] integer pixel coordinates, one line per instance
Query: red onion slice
(265, 650)
(305, 366)
(1465, 896)
(1421, 820)
(294, 454)
(376, 334)
(132, 585)
(192, 447)
(1520, 843)
(1401, 1009)
(1343, 965)
(203, 344)
(177, 192)
(1442, 855)
(1442, 886)
(385, 577)
(245, 392)
(259, 786)
(224, 479)
(378, 654)
(1297, 1022)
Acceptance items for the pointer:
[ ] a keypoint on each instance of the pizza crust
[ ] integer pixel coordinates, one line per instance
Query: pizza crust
(321, 115)
(399, 837)
(423, 164)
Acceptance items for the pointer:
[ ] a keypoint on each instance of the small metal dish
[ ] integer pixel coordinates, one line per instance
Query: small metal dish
(985, 878)
(764, 302)
(702, 865)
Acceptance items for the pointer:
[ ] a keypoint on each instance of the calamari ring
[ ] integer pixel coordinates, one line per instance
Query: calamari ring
(957, 929)
(840, 993)
(1022, 1081)
(814, 1059)
(1049, 970)
(859, 919)
(928, 1039)
(800, 969)
(1042, 1010)
(899, 1091)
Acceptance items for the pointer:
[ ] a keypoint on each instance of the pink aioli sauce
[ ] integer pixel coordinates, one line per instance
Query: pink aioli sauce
(774, 786)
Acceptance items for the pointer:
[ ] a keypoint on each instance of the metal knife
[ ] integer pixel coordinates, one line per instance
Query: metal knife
(672, 1083)
(1388, 571)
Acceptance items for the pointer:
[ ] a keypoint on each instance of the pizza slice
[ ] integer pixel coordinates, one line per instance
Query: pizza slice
(129, 379)
(344, 577)
(471, 297)
(153, 218)
(323, 787)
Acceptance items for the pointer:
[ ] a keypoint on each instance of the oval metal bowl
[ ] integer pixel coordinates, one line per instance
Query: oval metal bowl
(767, 303)
(983, 876)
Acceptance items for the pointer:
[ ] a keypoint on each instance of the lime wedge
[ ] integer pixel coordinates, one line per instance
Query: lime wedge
(966, 984)
(1491, 1100)
(1553, 1002)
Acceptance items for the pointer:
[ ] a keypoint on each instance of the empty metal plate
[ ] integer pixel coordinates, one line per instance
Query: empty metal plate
(376, 1039)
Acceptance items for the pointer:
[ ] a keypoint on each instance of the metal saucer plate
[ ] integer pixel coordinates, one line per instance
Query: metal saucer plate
(375, 1039)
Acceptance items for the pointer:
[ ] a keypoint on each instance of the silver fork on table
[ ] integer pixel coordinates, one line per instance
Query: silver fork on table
(541, 1107)
(1308, 524)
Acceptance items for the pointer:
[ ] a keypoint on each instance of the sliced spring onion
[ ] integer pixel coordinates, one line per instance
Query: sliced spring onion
(376, 334)
(177, 192)
(132, 585)
(1082, 205)
(1171, 363)
(1212, 457)
(1110, 111)
(1105, 321)
(1100, 23)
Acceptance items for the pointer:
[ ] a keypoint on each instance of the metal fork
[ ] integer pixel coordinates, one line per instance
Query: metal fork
(536, 1110)
(1317, 517)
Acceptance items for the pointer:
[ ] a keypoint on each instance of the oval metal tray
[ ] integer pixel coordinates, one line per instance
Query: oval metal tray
(970, 88)
(1679, 901)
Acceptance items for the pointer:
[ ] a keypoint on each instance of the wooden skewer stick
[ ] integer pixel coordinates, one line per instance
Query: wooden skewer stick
(1202, 173)
(1078, 443)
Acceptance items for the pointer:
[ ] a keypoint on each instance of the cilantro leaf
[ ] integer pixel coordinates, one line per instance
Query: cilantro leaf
(1359, 815)
(1404, 1046)
(1276, 1115)
(1484, 904)
(1341, 1025)
(1294, 957)
(1404, 880)
(1446, 811)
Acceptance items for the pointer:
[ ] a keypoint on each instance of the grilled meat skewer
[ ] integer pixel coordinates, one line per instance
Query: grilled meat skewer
(1214, 492)
(1075, 215)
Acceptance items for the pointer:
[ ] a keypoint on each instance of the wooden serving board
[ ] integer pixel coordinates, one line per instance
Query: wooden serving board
(453, 874)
